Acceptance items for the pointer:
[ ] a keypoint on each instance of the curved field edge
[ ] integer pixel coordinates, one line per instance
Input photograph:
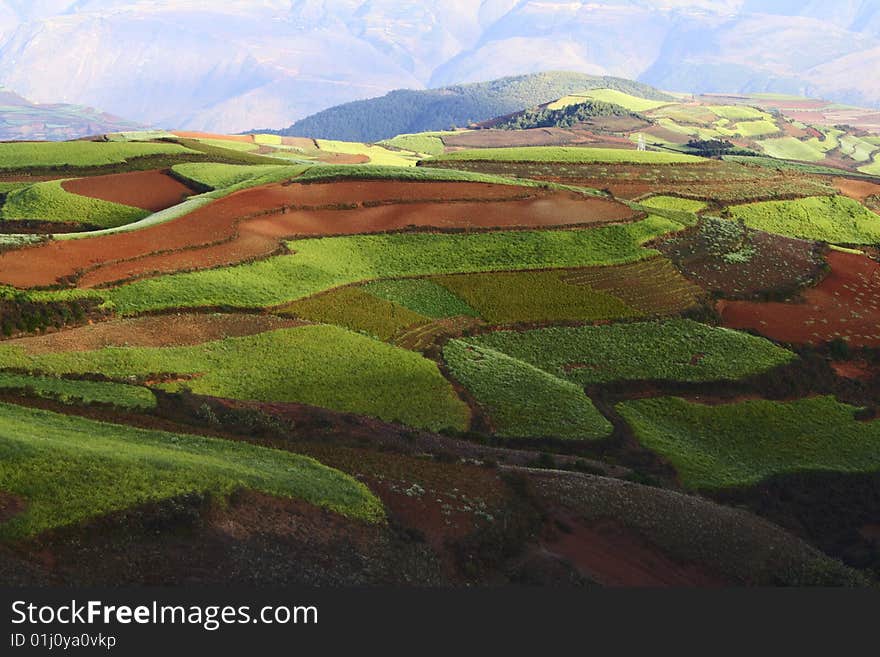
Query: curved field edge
(731, 542)
(522, 400)
(49, 201)
(323, 263)
(671, 350)
(744, 443)
(69, 469)
(320, 365)
(833, 219)
(568, 154)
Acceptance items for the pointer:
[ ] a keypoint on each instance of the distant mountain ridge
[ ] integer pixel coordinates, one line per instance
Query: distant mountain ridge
(20, 119)
(408, 110)
(237, 65)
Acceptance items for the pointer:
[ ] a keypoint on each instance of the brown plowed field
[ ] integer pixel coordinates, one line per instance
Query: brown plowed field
(149, 190)
(857, 189)
(252, 223)
(844, 305)
(159, 331)
(189, 134)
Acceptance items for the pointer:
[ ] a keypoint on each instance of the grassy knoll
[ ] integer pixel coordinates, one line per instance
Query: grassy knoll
(743, 443)
(421, 296)
(322, 263)
(69, 469)
(23, 155)
(569, 154)
(319, 365)
(48, 201)
(835, 219)
(355, 309)
(523, 400)
(80, 392)
(676, 350)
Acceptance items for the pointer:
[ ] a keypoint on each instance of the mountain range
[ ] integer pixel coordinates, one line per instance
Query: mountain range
(244, 64)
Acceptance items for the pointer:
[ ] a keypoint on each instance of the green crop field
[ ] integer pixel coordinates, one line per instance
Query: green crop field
(743, 443)
(789, 148)
(22, 155)
(524, 401)
(231, 144)
(323, 263)
(426, 297)
(568, 154)
(509, 297)
(835, 219)
(739, 113)
(625, 100)
(69, 469)
(319, 365)
(220, 176)
(413, 174)
(674, 350)
(674, 204)
(759, 128)
(378, 155)
(354, 308)
(429, 143)
(872, 169)
(81, 392)
(48, 201)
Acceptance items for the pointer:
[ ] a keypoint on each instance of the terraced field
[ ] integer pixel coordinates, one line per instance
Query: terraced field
(192, 324)
(741, 444)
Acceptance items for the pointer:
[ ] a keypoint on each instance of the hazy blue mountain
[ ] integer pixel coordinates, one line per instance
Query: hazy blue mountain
(238, 64)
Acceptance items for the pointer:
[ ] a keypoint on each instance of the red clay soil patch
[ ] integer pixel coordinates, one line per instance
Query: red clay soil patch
(846, 304)
(148, 190)
(858, 370)
(10, 506)
(153, 331)
(856, 189)
(189, 134)
(616, 556)
(253, 223)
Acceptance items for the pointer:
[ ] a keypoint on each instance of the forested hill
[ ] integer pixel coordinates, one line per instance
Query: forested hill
(408, 111)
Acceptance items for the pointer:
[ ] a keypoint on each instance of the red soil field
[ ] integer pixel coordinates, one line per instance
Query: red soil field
(252, 223)
(180, 329)
(857, 189)
(149, 190)
(615, 556)
(190, 134)
(845, 305)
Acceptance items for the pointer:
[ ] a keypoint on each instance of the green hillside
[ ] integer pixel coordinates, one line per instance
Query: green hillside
(410, 111)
